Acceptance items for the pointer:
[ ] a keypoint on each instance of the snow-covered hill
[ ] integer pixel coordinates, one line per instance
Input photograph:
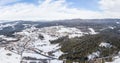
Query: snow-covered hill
(35, 43)
(31, 41)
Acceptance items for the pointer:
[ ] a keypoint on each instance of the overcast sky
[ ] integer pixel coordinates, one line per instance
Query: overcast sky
(58, 9)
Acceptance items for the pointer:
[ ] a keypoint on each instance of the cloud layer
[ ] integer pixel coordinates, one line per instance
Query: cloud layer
(111, 8)
(56, 10)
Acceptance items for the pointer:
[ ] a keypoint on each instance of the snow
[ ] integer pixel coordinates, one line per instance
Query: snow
(56, 61)
(8, 25)
(4, 58)
(106, 45)
(118, 22)
(64, 30)
(46, 42)
(7, 38)
(34, 55)
(115, 61)
(111, 27)
(58, 54)
(93, 55)
(92, 31)
(29, 39)
(60, 31)
(29, 25)
(75, 35)
(44, 45)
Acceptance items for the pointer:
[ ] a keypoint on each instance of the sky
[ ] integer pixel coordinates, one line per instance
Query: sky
(58, 9)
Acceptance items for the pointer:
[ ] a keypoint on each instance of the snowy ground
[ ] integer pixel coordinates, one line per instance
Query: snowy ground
(31, 45)
(116, 60)
(7, 56)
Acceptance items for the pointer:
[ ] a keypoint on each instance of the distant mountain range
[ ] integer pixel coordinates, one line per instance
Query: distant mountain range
(7, 28)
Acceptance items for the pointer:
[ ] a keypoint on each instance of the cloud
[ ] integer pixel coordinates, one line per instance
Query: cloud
(111, 8)
(53, 10)
(110, 5)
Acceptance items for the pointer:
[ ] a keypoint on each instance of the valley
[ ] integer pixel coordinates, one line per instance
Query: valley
(72, 41)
